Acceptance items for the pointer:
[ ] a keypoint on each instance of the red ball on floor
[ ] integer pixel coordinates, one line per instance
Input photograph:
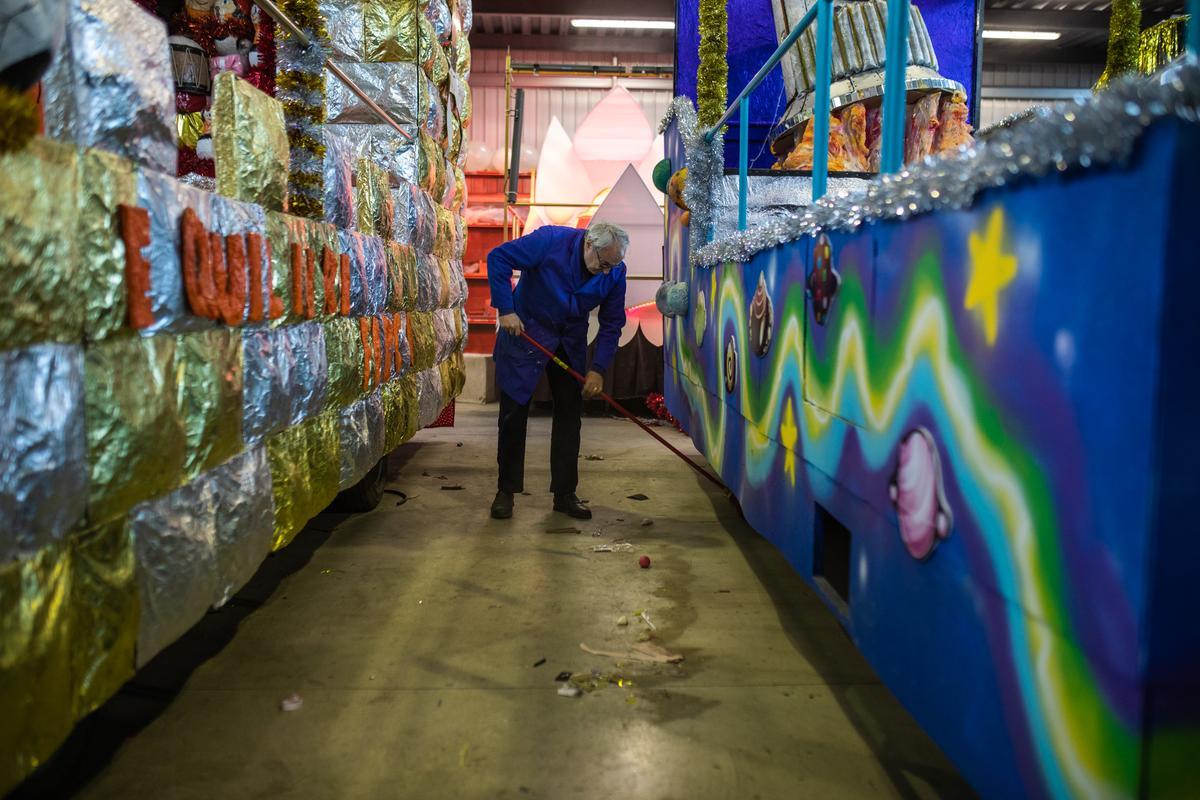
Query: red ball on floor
(644, 561)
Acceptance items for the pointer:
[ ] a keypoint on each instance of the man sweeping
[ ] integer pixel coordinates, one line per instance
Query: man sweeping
(565, 273)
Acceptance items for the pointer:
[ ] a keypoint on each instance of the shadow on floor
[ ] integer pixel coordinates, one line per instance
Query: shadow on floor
(791, 597)
(97, 737)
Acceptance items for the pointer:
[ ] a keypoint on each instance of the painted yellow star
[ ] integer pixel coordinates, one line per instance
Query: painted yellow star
(788, 434)
(992, 269)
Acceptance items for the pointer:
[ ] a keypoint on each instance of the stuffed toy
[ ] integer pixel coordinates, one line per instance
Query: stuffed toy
(675, 192)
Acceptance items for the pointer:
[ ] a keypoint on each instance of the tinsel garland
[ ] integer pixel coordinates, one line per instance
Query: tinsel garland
(300, 87)
(262, 77)
(1124, 27)
(1089, 132)
(1160, 44)
(705, 166)
(712, 76)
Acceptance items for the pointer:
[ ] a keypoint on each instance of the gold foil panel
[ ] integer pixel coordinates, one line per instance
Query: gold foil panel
(40, 283)
(36, 686)
(104, 613)
(343, 348)
(391, 29)
(324, 460)
(366, 196)
(402, 268)
(250, 142)
(287, 454)
(134, 433)
(424, 343)
(105, 182)
(209, 376)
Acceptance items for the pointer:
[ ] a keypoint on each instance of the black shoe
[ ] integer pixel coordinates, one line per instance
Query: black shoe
(502, 506)
(572, 506)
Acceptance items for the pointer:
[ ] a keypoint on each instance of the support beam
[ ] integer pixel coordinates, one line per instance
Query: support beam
(617, 9)
(1018, 19)
(577, 44)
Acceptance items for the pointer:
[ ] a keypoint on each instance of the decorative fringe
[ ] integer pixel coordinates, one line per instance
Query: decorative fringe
(300, 87)
(1160, 44)
(712, 77)
(1124, 26)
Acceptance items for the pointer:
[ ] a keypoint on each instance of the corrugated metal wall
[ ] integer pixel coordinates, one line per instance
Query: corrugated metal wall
(1012, 88)
(569, 104)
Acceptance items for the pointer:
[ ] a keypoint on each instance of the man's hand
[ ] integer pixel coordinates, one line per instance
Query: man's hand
(594, 385)
(511, 324)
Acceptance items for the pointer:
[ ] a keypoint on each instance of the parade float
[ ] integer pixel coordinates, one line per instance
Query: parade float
(230, 284)
(954, 395)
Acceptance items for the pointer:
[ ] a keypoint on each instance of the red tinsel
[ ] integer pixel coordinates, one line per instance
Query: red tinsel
(190, 163)
(657, 404)
(262, 77)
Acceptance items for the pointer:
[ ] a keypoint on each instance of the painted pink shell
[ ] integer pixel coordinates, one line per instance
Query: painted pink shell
(918, 495)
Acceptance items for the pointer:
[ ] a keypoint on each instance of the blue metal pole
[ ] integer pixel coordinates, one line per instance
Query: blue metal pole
(895, 97)
(1193, 25)
(775, 58)
(821, 99)
(743, 162)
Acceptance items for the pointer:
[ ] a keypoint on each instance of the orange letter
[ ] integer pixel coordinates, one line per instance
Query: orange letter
(235, 297)
(254, 244)
(135, 232)
(329, 276)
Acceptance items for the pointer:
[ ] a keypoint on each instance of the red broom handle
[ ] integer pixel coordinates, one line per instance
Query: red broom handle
(621, 409)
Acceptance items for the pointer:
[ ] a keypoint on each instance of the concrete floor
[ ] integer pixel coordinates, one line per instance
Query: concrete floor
(412, 634)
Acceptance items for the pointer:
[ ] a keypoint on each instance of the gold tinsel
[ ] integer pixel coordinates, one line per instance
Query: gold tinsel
(712, 78)
(1124, 26)
(1160, 44)
(18, 120)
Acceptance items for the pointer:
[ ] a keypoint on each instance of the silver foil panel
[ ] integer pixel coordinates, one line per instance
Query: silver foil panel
(233, 217)
(400, 89)
(43, 447)
(431, 400)
(438, 14)
(369, 281)
(110, 85)
(284, 380)
(381, 144)
(361, 430)
(165, 199)
(245, 519)
(429, 281)
(339, 180)
(344, 25)
(175, 542)
(771, 197)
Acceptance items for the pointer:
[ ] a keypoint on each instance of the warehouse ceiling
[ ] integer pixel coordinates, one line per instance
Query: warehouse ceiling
(546, 25)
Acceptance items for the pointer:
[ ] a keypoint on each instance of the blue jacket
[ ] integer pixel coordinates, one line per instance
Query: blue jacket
(553, 301)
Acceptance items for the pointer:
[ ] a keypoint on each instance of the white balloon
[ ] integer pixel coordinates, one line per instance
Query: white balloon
(479, 156)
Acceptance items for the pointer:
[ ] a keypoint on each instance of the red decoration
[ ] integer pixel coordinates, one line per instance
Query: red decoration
(445, 419)
(235, 296)
(196, 262)
(657, 405)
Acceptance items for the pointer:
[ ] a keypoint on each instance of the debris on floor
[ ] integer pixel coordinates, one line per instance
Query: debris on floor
(644, 617)
(293, 702)
(622, 620)
(591, 681)
(570, 529)
(638, 496)
(646, 523)
(539, 662)
(569, 691)
(562, 676)
(648, 651)
(458, 444)
(454, 487)
(623, 547)
(593, 458)
(644, 562)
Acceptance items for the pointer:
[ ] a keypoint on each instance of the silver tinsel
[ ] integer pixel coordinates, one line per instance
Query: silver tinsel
(705, 166)
(1086, 133)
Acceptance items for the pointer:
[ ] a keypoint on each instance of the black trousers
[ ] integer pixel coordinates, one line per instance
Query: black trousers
(564, 438)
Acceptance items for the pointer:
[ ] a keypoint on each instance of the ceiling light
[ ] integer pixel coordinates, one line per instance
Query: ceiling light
(1025, 36)
(641, 24)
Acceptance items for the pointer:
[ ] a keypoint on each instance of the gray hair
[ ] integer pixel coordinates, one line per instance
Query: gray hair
(602, 234)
